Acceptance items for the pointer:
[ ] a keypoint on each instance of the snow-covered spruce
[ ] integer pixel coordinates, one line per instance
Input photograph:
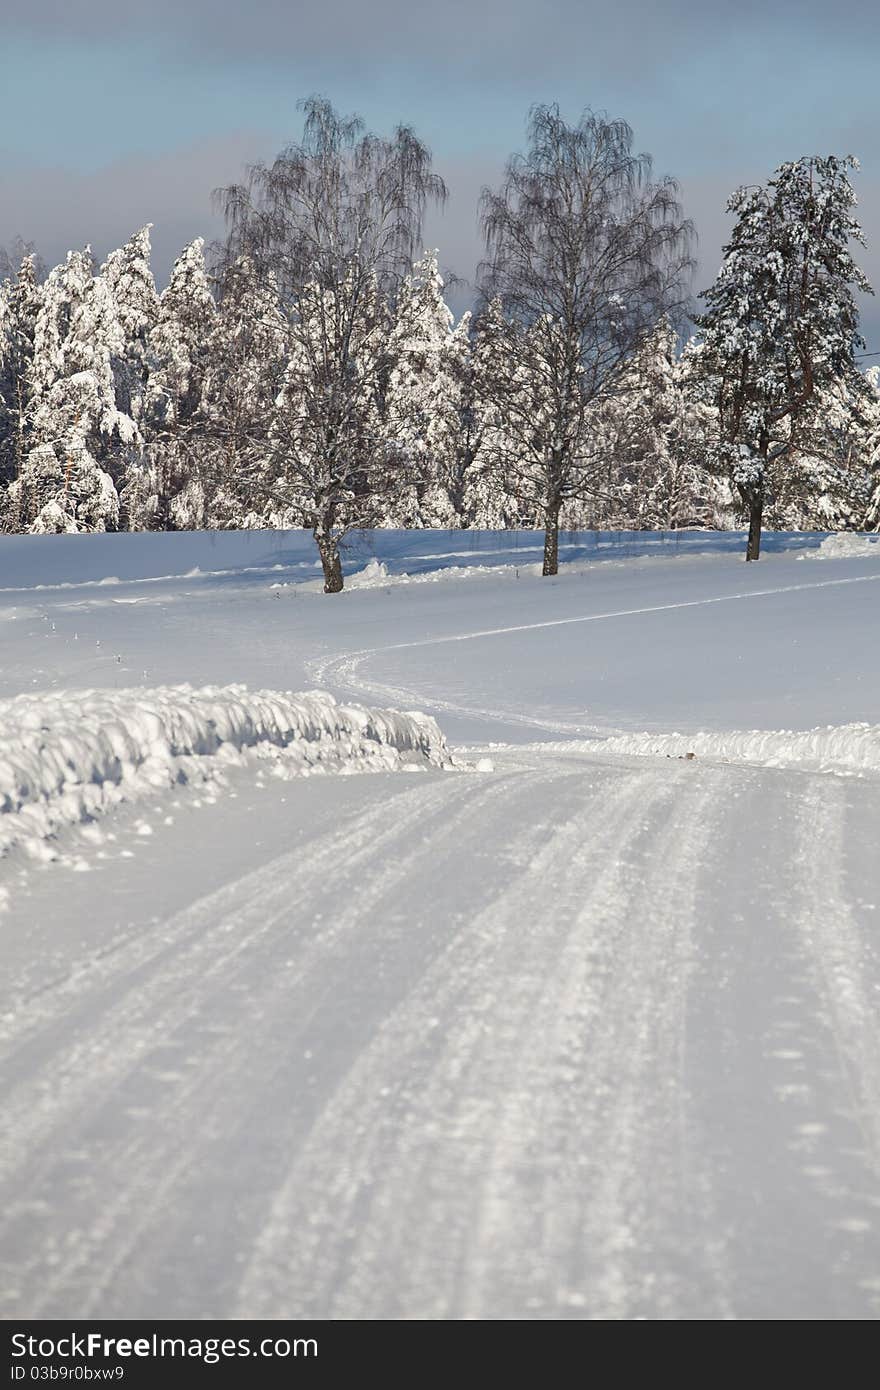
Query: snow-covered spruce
(217, 405)
(68, 756)
(853, 748)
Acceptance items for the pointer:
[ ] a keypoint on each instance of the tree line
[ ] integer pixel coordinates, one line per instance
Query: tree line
(309, 373)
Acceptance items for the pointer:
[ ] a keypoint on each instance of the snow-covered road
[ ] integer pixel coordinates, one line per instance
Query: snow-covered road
(588, 1035)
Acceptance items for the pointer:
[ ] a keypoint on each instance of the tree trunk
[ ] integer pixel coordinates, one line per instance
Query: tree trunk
(551, 538)
(330, 563)
(756, 514)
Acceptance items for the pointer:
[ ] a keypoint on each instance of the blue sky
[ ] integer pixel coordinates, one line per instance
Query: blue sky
(115, 114)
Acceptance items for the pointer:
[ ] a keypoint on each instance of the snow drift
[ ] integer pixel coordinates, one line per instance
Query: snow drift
(845, 546)
(853, 748)
(68, 756)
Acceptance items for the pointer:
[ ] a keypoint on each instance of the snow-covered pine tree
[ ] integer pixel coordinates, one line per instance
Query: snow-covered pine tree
(781, 322)
(129, 279)
(61, 486)
(19, 306)
(635, 481)
(422, 401)
(63, 483)
(660, 483)
(692, 442)
(483, 497)
(825, 481)
(12, 255)
(246, 357)
(178, 355)
(525, 361)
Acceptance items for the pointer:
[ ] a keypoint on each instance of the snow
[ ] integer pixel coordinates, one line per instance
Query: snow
(376, 575)
(568, 1025)
(845, 546)
(26, 563)
(846, 748)
(66, 758)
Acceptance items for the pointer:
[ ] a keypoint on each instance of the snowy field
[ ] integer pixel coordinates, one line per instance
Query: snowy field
(569, 1007)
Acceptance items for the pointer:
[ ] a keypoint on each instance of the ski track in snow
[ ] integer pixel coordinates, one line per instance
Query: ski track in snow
(346, 671)
(536, 1044)
(474, 1080)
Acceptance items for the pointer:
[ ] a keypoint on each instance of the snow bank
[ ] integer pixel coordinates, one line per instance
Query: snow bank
(376, 575)
(69, 756)
(213, 558)
(845, 546)
(851, 748)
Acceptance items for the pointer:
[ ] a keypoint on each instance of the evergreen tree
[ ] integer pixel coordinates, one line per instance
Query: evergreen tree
(712, 501)
(781, 322)
(824, 481)
(423, 399)
(245, 364)
(652, 477)
(19, 307)
(132, 288)
(178, 355)
(522, 422)
(64, 483)
(483, 498)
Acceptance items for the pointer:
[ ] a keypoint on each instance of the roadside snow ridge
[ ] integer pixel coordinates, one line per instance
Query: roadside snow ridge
(69, 756)
(852, 748)
(844, 546)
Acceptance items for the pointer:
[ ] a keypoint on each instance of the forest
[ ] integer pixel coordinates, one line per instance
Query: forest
(307, 371)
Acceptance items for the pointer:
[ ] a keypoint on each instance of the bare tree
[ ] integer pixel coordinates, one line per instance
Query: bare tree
(585, 253)
(336, 220)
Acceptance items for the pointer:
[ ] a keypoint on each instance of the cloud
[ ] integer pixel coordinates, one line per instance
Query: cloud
(637, 32)
(59, 208)
(719, 92)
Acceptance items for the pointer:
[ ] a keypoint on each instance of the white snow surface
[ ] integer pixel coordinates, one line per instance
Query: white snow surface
(843, 546)
(554, 1032)
(853, 748)
(68, 757)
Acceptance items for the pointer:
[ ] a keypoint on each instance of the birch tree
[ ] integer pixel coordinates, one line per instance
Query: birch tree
(336, 219)
(586, 252)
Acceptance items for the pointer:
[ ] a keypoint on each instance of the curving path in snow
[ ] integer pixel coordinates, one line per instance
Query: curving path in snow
(589, 1035)
(531, 1045)
(355, 673)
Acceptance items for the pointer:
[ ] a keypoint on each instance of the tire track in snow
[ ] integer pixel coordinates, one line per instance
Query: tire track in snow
(443, 1190)
(612, 1199)
(780, 1077)
(843, 1146)
(838, 952)
(144, 984)
(156, 1157)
